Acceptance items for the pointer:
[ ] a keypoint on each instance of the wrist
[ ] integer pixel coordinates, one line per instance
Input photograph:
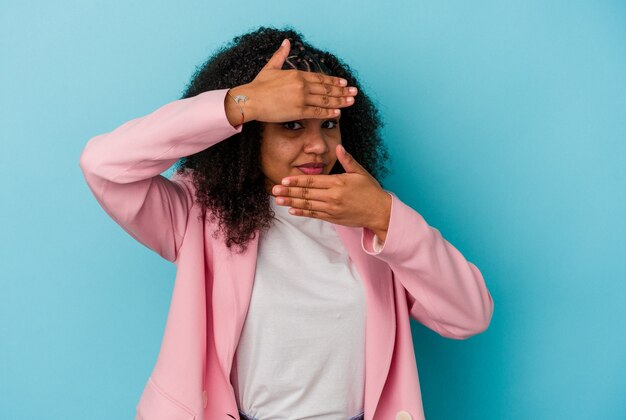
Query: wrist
(234, 109)
(381, 225)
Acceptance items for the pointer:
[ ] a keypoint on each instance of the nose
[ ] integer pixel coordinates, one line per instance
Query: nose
(315, 141)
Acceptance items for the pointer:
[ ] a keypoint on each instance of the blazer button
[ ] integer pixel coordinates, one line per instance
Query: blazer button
(205, 398)
(403, 415)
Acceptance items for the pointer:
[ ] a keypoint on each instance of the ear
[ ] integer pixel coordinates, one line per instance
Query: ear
(279, 57)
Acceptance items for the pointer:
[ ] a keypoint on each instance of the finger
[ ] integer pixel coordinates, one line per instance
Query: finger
(320, 112)
(348, 162)
(279, 56)
(314, 77)
(325, 89)
(326, 101)
(309, 181)
(304, 193)
(309, 208)
(315, 214)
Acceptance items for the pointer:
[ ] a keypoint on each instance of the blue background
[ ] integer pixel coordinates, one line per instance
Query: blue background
(506, 125)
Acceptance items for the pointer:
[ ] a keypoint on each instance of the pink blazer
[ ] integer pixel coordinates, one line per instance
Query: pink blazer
(417, 273)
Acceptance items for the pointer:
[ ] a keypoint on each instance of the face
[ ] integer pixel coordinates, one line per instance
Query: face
(287, 145)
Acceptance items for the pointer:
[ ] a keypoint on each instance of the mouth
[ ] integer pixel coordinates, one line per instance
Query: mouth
(311, 169)
(312, 165)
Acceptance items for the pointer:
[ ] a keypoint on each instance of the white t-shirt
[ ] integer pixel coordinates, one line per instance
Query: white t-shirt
(301, 353)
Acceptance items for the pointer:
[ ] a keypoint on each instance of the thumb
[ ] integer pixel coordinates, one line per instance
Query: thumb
(350, 165)
(279, 57)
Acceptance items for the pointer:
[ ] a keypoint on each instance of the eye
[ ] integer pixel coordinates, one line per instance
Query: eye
(333, 123)
(289, 125)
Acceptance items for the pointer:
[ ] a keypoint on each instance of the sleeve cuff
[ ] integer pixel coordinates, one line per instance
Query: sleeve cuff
(377, 244)
(370, 242)
(405, 224)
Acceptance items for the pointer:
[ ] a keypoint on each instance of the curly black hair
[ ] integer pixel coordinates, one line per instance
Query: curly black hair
(227, 176)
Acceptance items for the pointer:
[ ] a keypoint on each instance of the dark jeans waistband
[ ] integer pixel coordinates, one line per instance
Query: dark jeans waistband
(244, 416)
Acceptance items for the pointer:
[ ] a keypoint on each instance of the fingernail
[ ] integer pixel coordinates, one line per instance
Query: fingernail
(284, 42)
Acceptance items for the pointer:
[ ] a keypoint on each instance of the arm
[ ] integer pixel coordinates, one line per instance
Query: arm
(122, 168)
(445, 292)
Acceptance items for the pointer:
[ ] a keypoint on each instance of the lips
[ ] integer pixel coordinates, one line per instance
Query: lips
(311, 170)
(312, 165)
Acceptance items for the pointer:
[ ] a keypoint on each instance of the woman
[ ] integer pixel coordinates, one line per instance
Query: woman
(309, 316)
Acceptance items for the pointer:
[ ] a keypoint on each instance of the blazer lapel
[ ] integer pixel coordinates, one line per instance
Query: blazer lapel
(233, 278)
(380, 320)
(233, 290)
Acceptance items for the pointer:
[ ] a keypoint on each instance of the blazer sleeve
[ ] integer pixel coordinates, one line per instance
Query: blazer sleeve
(445, 292)
(122, 168)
